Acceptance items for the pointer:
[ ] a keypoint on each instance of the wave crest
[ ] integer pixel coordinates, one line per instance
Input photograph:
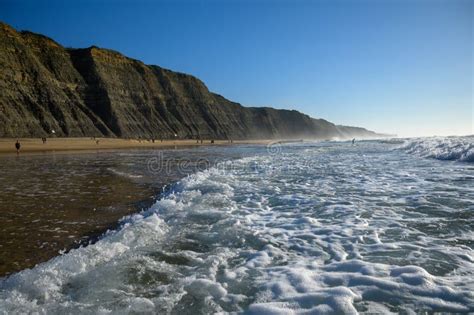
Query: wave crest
(442, 148)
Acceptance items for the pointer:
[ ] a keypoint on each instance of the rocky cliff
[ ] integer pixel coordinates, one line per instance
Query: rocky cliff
(99, 92)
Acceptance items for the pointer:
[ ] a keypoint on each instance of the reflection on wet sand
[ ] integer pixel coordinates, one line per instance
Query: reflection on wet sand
(46, 206)
(49, 203)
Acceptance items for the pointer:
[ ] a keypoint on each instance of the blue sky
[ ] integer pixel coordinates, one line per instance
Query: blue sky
(395, 66)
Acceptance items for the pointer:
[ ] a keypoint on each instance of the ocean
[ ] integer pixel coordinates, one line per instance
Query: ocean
(382, 226)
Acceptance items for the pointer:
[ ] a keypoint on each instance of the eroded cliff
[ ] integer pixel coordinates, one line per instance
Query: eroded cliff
(100, 92)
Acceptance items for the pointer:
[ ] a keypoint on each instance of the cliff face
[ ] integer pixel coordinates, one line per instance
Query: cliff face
(99, 92)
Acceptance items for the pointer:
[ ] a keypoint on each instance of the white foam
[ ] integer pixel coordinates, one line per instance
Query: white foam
(124, 174)
(442, 148)
(275, 241)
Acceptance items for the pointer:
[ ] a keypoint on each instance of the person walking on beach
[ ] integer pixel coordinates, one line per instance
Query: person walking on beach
(353, 141)
(17, 146)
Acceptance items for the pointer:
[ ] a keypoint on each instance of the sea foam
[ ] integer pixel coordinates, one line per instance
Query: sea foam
(442, 148)
(301, 233)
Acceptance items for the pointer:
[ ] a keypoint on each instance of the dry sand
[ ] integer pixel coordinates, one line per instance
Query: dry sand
(35, 145)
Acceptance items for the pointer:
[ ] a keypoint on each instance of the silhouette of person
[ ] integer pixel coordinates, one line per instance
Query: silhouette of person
(353, 141)
(17, 146)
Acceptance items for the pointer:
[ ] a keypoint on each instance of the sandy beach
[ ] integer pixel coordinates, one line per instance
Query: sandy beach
(67, 192)
(35, 145)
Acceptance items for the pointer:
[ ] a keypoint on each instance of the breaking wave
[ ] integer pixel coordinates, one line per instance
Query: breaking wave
(315, 229)
(442, 148)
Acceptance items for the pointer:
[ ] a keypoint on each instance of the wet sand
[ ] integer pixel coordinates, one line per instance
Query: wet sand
(38, 225)
(54, 202)
(35, 145)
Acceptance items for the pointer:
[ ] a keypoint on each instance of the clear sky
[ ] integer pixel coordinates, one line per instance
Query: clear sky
(395, 66)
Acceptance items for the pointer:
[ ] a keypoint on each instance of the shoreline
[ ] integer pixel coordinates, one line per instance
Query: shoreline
(134, 197)
(68, 145)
